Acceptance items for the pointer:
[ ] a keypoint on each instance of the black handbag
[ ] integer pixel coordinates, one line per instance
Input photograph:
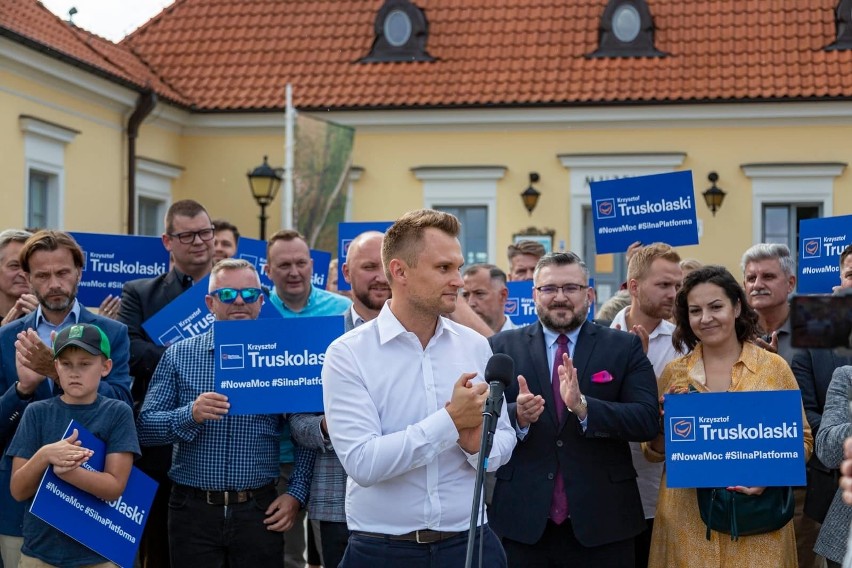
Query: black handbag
(739, 514)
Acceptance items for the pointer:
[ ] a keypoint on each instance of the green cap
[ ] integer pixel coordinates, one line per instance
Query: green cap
(86, 336)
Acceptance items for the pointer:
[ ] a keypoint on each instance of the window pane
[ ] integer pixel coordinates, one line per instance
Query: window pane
(149, 216)
(776, 224)
(38, 200)
(474, 231)
(802, 212)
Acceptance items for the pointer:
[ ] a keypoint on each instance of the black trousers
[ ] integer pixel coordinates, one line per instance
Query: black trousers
(559, 548)
(214, 536)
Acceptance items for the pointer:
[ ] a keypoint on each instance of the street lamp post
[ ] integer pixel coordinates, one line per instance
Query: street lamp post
(264, 182)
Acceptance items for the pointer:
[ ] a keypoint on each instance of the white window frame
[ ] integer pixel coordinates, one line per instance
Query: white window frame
(44, 152)
(355, 173)
(154, 181)
(464, 186)
(789, 183)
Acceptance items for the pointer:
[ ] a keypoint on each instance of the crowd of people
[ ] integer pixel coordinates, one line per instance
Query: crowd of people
(576, 474)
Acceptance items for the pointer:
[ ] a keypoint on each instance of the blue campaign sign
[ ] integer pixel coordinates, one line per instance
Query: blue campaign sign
(269, 366)
(111, 260)
(753, 439)
(254, 251)
(519, 305)
(113, 529)
(822, 241)
(655, 208)
(187, 316)
(345, 233)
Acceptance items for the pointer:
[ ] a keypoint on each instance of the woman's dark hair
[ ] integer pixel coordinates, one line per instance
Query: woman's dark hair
(746, 325)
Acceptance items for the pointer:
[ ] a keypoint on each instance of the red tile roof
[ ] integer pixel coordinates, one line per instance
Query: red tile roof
(29, 22)
(227, 55)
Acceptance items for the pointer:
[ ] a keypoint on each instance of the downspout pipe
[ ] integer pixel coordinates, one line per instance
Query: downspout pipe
(144, 105)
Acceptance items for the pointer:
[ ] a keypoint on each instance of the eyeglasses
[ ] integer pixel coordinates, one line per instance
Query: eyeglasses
(229, 295)
(188, 237)
(567, 289)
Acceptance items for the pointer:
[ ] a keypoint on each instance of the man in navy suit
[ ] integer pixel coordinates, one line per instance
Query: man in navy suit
(53, 263)
(568, 497)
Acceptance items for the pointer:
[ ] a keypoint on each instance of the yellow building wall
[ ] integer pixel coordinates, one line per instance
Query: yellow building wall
(215, 175)
(94, 160)
(387, 187)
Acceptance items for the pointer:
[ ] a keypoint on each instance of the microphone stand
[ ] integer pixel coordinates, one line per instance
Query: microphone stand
(490, 414)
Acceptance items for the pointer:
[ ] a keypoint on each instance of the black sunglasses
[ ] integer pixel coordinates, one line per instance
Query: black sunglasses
(229, 295)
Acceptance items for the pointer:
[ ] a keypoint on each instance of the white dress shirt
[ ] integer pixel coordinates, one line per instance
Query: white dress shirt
(660, 353)
(384, 397)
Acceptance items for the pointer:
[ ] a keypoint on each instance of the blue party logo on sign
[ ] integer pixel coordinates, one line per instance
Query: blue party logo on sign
(682, 429)
(172, 335)
(605, 208)
(811, 248)
(512, 307)
(232, 356)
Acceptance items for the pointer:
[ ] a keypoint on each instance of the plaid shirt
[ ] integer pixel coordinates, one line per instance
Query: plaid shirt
(328, 488)
(234, 453)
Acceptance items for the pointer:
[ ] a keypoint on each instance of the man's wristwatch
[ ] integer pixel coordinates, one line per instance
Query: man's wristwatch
(583, 406)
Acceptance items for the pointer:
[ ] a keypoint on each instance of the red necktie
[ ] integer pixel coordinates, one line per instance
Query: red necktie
(559, 502)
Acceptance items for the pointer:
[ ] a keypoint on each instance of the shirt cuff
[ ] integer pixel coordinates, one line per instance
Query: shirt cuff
(521, 433)
(186, 428)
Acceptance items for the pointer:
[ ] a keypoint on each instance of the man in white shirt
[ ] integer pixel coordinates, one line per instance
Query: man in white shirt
(403, 398)
(653, 279)
(486, 293)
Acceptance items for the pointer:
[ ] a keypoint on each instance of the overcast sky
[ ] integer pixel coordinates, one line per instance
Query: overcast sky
(112, 19)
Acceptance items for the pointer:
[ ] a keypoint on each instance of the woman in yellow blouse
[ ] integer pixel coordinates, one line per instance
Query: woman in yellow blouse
(716, 325)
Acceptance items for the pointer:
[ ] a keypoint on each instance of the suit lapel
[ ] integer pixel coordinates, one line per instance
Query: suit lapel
(583, 353)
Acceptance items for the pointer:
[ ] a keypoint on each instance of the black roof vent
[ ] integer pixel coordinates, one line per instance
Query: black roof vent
(401, 33)
(626, 30)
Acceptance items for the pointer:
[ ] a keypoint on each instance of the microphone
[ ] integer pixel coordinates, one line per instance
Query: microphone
(499, 374)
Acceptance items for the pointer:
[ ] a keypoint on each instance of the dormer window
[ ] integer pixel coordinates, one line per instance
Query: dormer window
(401, 32)
(626, 30)
(843, 23)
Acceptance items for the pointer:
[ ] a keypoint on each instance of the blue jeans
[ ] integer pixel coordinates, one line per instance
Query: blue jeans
(214, 536)
(372, 552)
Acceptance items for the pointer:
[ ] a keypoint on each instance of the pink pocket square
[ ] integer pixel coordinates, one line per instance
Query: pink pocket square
(602, 377)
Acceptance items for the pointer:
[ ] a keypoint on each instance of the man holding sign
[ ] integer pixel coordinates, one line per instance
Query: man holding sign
(189, 238)
(223, 505)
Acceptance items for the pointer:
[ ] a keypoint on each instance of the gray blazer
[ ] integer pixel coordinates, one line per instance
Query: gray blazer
(835, 428)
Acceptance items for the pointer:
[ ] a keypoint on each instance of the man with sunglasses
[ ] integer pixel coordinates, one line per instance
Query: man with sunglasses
(224, 508)
(189, 238)
(568, 497)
